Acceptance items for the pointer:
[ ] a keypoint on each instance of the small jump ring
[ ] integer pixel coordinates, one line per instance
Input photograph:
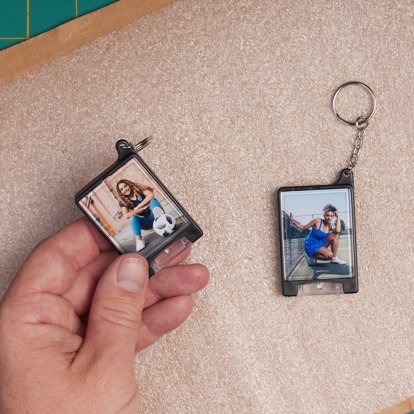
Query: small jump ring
(365, 118)
(361, 123)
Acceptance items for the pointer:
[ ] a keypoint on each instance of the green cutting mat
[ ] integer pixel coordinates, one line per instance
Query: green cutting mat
(22, 19)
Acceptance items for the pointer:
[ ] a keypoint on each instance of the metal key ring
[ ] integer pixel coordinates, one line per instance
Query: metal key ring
(359, 119)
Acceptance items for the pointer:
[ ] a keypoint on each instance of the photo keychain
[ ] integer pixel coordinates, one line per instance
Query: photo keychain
(134, 210)
(317, 226)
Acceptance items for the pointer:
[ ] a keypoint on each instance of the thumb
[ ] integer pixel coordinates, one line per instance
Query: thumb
(116, 310)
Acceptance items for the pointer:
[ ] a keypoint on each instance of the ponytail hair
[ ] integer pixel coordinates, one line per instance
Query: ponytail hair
(329, 207)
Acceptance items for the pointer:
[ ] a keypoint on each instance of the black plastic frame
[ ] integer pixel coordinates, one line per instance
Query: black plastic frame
(350, 285)
(192, 232)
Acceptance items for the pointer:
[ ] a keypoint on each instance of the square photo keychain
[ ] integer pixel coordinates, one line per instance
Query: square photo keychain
(317, 227)
(134, 210)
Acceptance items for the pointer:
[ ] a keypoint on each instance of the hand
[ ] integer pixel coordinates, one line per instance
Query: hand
(53, 362)
(138, 210)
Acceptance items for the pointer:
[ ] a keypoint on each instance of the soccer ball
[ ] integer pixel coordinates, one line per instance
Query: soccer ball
(164, 225)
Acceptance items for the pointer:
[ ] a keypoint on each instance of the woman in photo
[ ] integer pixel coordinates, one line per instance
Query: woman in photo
(322, 241)
(139, 205)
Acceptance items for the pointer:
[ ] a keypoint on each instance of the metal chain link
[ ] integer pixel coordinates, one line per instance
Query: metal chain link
(361, 124)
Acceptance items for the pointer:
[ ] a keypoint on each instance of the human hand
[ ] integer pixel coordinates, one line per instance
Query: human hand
(51, 359)
(138, 210)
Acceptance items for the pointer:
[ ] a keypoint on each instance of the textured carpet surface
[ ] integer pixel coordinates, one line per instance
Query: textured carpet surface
(237, 95)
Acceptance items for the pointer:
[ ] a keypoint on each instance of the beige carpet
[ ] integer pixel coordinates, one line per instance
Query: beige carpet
(237, 95)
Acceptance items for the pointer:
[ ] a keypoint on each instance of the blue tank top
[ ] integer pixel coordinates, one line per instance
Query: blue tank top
(318, 234)
(316, 239)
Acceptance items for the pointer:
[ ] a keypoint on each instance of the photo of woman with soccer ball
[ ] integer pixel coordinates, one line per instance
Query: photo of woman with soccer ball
(139, 205)
(134, 211)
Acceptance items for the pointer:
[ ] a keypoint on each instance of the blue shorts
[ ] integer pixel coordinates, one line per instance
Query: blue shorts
(313, 245)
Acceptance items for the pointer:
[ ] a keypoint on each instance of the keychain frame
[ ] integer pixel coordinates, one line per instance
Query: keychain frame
(186, 234)
(315, 285)
(322, 240)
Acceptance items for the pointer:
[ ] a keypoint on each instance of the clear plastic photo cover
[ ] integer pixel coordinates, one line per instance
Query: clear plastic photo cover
(136, 212)
(317, 239)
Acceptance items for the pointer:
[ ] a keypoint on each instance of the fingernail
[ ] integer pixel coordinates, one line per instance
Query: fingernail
(132, 274)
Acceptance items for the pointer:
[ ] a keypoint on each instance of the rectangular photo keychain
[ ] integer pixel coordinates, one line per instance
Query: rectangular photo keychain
(134, 210)
(317, 227)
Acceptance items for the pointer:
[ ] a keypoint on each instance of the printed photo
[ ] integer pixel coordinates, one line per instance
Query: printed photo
(133, 211)
(317, 233)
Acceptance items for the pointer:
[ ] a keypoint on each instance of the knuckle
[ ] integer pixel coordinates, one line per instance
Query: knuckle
(120, 312)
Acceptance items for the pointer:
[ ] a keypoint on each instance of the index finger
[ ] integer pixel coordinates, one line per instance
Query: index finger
(54, 264)
(80, 241)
